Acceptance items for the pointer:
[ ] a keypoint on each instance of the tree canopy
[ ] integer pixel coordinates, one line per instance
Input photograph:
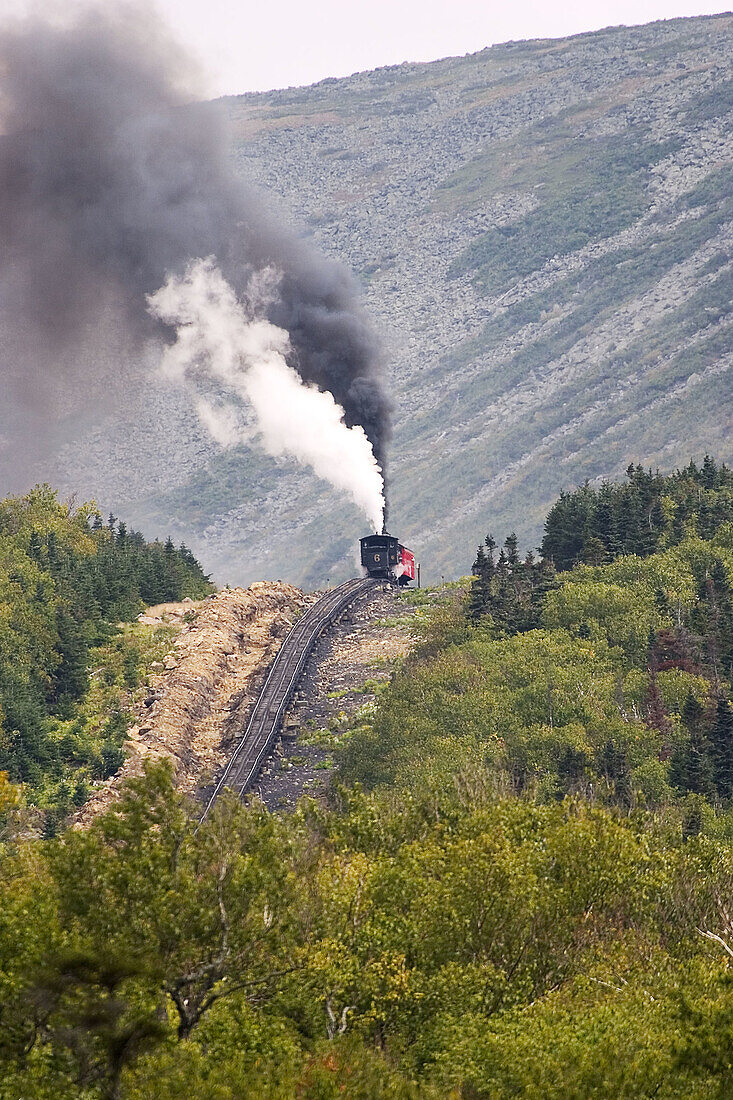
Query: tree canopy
(66, 581)
(518, 884)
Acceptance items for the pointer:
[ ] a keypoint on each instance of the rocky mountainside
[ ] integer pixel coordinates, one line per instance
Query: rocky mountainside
(544, 231)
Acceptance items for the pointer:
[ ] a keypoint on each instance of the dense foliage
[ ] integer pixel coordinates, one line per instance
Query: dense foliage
(647, 513)
(519, 886)
(509, 589)
(66, 580)
(612, 680)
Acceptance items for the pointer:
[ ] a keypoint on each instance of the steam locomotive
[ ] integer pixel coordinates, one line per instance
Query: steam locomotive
(385, 557)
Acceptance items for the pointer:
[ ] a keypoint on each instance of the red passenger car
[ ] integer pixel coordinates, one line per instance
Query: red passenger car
(408, 566)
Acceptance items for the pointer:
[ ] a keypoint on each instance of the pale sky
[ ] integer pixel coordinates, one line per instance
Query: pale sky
(254, 46)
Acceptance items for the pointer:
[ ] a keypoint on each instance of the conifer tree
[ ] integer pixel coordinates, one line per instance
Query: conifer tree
(632, 518)
(512, 552)
(35, 547)
(692, 767)
(721, 739)
(71, 678)
(709, 473)
(614, 766)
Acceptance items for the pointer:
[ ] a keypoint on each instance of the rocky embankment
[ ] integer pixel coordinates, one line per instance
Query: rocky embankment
(200, 698)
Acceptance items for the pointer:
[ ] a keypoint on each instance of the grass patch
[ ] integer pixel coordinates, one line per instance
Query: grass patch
(324, 765)
(371, 687)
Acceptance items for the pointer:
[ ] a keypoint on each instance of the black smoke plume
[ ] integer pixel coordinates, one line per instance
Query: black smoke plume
(110, 178)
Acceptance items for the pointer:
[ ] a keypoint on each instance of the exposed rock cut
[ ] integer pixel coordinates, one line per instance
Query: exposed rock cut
(211, 677)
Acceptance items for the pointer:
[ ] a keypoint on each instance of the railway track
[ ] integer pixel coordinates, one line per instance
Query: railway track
(267, 714)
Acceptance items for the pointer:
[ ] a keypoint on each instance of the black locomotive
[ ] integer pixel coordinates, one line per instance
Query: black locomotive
(385, 557)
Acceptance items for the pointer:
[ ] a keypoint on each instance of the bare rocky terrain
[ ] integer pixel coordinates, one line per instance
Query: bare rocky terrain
(544, 234)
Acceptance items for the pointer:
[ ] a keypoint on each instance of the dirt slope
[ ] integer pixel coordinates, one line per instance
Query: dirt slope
(200, 699)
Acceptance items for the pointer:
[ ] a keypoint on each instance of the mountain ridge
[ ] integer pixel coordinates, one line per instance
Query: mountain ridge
(543, 231)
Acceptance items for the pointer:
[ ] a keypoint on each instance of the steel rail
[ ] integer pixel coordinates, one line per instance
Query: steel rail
(275, 694)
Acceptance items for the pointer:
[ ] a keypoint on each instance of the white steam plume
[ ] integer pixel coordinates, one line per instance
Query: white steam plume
(218, 341)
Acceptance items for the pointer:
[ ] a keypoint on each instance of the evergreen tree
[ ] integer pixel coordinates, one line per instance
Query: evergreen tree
(692, 766)
(693, 819)
(510, 590)
(512, 552)
(722, 616)
(721, 739)
(71, 678)
(483, 570)
(479, 566)
(709, 473)
(614, 766)
(64, 584)
(572, 767)
(594, 551)
(35, 547)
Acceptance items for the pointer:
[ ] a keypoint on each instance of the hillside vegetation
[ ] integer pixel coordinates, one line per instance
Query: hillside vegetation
(608, 680)
(544, 232)
(649, 512)
(68, 665)
(520, 885)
